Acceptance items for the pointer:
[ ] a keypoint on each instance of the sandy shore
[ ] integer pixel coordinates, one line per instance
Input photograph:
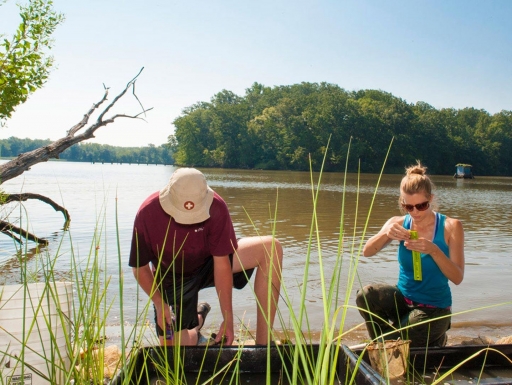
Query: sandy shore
(456, 336)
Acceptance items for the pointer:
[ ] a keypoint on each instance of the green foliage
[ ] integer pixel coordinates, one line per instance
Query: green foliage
(93, 152)
(281, 127)
(24, 62)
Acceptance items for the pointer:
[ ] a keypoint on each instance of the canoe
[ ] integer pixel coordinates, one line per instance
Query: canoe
(490, 365)
(474, 364)
(158, 365)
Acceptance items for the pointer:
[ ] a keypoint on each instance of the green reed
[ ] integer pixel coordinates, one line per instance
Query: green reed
(66, 338)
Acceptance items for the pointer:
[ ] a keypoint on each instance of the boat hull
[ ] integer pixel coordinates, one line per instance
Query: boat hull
(153, 365)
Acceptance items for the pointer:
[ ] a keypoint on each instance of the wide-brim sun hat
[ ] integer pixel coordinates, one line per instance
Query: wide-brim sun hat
(187, 197)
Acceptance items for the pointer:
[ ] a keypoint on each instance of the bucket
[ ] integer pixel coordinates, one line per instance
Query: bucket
(389, 358)
(34, 331)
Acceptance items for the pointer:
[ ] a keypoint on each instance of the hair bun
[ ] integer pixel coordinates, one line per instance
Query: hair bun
(418, 168)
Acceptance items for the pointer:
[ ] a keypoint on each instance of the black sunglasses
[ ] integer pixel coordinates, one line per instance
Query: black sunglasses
(420, 206)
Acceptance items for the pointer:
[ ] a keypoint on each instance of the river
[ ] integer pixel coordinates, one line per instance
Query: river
(100, 197)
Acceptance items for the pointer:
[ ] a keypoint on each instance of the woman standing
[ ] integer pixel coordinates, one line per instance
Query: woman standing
(422, 298)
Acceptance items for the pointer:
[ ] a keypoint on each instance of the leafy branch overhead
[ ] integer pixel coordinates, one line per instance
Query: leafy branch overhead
(81, 131)
(24, 61)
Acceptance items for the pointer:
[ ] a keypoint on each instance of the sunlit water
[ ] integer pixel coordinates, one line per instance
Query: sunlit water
(100, 197)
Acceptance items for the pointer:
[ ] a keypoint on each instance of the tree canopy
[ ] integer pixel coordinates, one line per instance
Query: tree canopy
(24, 60)
(282, 126)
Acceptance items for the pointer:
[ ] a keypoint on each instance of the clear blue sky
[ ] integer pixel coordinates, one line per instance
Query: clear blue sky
(448, 53)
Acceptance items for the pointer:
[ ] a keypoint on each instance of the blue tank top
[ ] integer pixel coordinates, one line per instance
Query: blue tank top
(433, 289)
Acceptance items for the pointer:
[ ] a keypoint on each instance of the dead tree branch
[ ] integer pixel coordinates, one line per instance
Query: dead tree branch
(10, 230)
(26, 196)
(24, 161)
(76, 134)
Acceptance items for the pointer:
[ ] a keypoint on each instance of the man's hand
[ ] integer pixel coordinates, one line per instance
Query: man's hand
(223, 276)
(145, 278)
(164, 318)
(226, 335)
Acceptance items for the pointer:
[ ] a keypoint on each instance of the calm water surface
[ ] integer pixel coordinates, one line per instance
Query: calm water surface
(97, 194)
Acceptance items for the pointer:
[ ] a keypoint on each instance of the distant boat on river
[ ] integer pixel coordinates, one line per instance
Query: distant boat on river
(463, 171)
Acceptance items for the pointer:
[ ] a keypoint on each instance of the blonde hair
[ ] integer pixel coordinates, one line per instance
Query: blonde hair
(415, 181)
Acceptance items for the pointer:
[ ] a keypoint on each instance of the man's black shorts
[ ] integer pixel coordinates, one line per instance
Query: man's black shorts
(183, 295)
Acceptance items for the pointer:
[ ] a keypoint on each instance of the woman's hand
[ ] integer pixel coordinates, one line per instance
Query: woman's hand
(392, 230)
(422, 245)
(395, 231)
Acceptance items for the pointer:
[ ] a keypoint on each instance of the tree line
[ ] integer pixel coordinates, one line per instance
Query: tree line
(283, 127)
(92, 152)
